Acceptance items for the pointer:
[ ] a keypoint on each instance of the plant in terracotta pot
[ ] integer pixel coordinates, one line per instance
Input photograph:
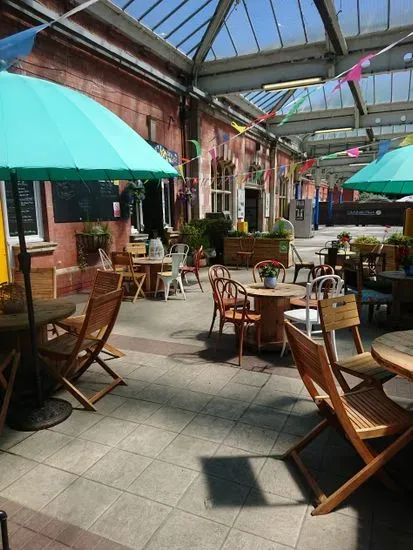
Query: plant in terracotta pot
(269, 273)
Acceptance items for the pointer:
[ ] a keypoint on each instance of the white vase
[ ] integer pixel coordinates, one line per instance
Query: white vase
(156, 250)
(270, 282)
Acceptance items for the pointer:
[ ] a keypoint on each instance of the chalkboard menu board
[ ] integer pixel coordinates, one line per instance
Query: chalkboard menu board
(28, 207)
(75, 201)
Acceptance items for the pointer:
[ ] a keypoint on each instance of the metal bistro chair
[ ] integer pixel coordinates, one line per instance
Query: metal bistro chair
(241, 317)
(180, 248)
(105, 281)
(317, 271)
(298, 265)
(319, 288)
(342, 313)
(358, 416)
(105, 261)
(193, 268)
(69, 355)
(256, 270)
(246, 251)
(171, 277)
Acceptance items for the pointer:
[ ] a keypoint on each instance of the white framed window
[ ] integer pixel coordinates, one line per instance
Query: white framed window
(31, 204)
(221, 185)
(167, 187)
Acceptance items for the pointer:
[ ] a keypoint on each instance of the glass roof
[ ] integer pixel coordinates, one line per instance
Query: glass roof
(361, 133)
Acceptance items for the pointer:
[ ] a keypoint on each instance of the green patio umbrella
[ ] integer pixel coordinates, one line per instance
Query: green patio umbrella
(49, 132)
(392, 174)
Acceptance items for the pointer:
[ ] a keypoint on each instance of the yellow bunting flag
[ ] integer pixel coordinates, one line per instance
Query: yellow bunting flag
(292, 168)
(408, 140)
(240, 129)
(180, 169)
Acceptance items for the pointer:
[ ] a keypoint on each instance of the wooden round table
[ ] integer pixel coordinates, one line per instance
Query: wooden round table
(14, 329)
(394, 351)
(402, 292)
(272, 303)
(152, 268)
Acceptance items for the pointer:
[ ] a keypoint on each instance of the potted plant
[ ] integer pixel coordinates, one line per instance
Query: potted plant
(269, 273)
(344, 239)
(95, 235)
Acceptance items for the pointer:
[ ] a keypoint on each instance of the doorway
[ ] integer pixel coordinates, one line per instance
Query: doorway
(251, 209)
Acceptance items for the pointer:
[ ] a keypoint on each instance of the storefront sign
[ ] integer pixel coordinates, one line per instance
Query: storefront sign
(240, 203)
(170, 156)
(267, 205)
(364, 212)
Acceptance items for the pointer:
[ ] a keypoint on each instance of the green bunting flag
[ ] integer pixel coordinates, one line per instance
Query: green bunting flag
(197, 146)
(330, 156)
(293, 110)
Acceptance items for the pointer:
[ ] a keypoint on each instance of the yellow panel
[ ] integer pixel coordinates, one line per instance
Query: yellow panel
(4, 271)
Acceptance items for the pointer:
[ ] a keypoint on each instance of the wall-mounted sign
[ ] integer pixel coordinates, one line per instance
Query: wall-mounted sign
(299, 209)
(267, 205)
(240, 203)
(28, 208)
(170, 156)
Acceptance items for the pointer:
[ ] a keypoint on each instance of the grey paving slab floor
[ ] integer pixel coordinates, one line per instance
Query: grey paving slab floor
(187, 455)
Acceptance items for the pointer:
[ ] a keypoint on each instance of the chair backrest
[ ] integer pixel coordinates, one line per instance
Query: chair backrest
(177, 259)
(228, 289)
(324, 287)
(180, 248)
(296, 253)
(218, 272)
(372, 263)
(122, 260)
(280, 267)
(43, 282)
(320, 271)
(105, 281)
(197, 256)
(332, 254)
(105, 261)
(247, 244)
(136, 249)
(312, 363)
(338, 313)
(100, 317)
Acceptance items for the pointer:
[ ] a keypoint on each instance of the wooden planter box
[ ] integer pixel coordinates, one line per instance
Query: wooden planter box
(391, 251)
(265, 249)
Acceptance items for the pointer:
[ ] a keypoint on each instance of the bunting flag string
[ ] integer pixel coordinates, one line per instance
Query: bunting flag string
(197, 146)
(180, 170)
(354, 152)
(354, 74)
(240, 129)
(293, 110)
(307, 166)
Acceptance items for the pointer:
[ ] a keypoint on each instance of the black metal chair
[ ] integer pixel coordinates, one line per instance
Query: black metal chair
(4, 531)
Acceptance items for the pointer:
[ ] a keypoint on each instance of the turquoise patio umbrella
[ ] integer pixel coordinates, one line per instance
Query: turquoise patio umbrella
(392, 174)
(49, 132)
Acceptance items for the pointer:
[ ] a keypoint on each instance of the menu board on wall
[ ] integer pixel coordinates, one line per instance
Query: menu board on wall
(75, 201)
(28, 207)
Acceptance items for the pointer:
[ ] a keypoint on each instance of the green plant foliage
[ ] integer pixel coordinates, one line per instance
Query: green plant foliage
(280, 234)
(194, 237)
(399, 239)
(366, 239)
(96, 228)
(213, 231)
(270, 270)
(237, 234)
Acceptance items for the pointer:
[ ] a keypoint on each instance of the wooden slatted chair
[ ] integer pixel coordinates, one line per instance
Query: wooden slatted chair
(69, 355)
(138, 250)
(8, 362)
(105, 281)
(256, 270)
(342, 313)
(240, 316)
(359, 416)
(123, 263)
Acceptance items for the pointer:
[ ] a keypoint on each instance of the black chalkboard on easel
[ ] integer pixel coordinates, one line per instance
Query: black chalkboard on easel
(75, 201)
(28, 207)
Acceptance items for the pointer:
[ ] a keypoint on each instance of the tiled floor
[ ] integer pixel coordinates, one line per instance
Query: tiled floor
(187, 455)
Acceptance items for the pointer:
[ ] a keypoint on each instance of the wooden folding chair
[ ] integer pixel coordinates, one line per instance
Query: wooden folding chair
(11, 360)
(105, 281)
(340, 313)
(123, 263)
(358, 416)
(62, 355)
(138, 250)
(43, 282)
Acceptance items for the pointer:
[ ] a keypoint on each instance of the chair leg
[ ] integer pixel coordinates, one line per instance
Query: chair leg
(4, 531)
(242, 329)
(108, 348)
(284, 345)
(258, 336)
(296, 270)
(157, 286)
(199, 280)
(181, 286)
(214, 316)
(218, 339)
(166, 285)
(371, 313)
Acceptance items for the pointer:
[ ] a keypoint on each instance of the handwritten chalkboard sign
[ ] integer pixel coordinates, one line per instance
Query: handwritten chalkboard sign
(75, 201)
(28, 207)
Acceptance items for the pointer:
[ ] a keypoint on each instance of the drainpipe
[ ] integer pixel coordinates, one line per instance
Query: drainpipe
(182, 118)
(317, 183)
(331, 183)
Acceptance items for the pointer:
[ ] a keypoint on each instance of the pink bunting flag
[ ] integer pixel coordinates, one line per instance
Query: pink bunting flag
(213, 154)
(354, 74)
(267, 175)
(307, 165)
(262, 118)
(354, 152)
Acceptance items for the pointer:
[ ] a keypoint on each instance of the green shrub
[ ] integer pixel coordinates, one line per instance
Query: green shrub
(236, 233)
(399, 239)
(366, 239)
(194, 237)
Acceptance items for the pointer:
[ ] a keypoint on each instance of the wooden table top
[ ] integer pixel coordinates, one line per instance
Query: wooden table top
(282, 290)
(151, 261)
(395, 352)
(45, 312)
(395, 276)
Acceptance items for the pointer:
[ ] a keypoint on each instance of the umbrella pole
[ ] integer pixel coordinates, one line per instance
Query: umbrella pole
(25, 263)
(51, 411)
